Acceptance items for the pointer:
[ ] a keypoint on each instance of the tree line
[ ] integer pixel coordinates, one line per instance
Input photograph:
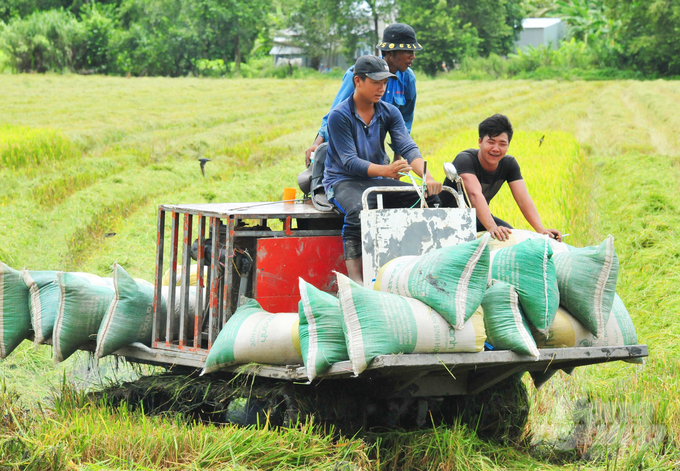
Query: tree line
(219, 37)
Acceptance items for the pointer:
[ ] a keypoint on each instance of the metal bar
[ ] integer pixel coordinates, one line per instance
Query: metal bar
(228, 271)
(294, 232)
(198, 315)
(479, 383)
(213, 324)
(172, 283)
(394, 189)
(305, 213)
(158, 291)
(186, 280)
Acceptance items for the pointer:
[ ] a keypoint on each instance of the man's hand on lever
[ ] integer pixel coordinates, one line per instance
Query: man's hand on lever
(553, 234)
(308, 153)
(433, 186)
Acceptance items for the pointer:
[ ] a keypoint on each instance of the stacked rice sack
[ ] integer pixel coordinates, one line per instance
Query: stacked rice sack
(15, 317)
(361, 323)
(527, 293)
(579, 292)
(69, 310)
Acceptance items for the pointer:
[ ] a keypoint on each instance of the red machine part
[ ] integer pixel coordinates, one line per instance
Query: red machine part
(280, 261)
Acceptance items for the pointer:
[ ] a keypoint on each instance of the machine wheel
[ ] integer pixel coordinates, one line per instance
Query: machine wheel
(498, 413)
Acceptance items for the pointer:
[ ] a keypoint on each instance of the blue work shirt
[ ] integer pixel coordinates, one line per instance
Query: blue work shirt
(353, 145)
(401, 92)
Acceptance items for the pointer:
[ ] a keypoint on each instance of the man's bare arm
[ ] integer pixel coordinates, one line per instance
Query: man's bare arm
(528, 208)
(477, 200)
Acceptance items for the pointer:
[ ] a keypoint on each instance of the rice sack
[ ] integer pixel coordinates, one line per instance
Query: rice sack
(566, 331)
(506, 327)
(130, 315)
(15, 316)
(84, 300)
(586, 278)
(518, 236)
(322, 339)
(253, 335)
(528, 266)
(43, 302)
(378, 323)
(451, 280)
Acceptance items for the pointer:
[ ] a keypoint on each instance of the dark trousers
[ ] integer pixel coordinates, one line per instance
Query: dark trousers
(499, 222)
(347, 198)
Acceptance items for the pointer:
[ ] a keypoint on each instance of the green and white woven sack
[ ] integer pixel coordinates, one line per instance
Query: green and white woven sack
(84, 300)
(378, 323)
(253, 335)
(451, 280)
(15, 317)
(43, 302)
(566, 331)
(517, 236)
(528, 266)
(322, 339)
(129, 318)
(506, 327)
(586, 278)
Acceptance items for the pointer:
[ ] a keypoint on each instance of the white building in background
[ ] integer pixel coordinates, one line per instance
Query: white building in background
(541, 31)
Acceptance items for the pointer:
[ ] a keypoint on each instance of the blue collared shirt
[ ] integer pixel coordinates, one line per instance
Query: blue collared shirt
(401, 92)
(353, 145)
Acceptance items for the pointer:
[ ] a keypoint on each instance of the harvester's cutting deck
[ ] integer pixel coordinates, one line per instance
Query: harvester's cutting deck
(250, 256)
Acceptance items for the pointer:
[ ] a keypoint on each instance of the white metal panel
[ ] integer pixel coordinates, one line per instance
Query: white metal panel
(391, 233)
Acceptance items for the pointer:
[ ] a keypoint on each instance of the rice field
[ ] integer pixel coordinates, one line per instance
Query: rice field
(81, 157)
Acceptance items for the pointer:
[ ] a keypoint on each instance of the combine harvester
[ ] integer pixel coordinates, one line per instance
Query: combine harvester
(261, 250)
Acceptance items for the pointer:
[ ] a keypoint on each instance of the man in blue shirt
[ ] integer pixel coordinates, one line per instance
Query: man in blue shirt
(398, 48)
(357, 159)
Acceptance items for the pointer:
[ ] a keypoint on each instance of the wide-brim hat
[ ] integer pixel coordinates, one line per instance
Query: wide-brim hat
(399, 37)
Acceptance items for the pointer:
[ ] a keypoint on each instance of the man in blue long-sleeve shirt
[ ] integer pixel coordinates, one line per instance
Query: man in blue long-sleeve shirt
(399, 46)
(357, 159)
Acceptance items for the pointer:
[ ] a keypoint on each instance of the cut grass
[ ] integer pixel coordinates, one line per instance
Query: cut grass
(609, 164)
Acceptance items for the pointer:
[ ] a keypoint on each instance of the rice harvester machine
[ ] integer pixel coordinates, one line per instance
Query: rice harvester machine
(259, 250)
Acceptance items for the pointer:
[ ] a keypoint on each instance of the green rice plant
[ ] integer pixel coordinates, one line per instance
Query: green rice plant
(26, 147)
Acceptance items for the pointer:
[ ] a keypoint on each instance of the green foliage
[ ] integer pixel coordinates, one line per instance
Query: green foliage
(97, 26)
(42, 41)
(573, 59)
(497, 22)
(156, 37)
(586, 18)
(20, 8)
(648, 35)
(445, 38)
(326, 28)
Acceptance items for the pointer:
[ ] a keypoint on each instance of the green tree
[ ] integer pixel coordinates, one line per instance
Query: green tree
(22, 8)
(379, 9)
(498, 22)
(321, 28)
(648, 34)
(440, 30)
(586, 18)
(42, 41)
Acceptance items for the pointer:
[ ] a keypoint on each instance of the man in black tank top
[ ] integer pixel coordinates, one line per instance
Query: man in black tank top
(484, 171)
